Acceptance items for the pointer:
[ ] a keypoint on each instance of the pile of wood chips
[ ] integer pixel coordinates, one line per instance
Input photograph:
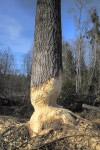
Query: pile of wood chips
(14, 135)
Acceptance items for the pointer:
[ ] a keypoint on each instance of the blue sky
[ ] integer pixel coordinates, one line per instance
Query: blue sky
(17, 19)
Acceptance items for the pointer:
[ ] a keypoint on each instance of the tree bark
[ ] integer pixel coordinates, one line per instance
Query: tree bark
(47, 62)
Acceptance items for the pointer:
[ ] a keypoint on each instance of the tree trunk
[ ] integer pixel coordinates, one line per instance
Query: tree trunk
(95, 78)
(46, 79)
(78, 67)
(47, 62)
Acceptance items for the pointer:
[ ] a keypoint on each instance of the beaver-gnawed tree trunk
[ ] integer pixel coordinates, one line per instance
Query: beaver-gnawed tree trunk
(46, 78)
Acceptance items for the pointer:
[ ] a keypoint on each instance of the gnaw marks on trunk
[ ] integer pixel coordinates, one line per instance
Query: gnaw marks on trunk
(46, 79)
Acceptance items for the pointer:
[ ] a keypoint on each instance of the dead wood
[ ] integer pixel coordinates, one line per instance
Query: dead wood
(91, 107)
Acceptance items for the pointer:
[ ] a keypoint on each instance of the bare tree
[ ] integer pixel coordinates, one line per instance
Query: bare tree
(94, 35)
(27, 60)
(81, 26)
(7, 61)
(27, 65)
(6, 70)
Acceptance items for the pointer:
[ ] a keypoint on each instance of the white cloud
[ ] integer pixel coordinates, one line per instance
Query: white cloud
(11, 34)
(10, 27)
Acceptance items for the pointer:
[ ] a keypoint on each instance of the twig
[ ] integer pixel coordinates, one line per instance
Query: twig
(66, 137)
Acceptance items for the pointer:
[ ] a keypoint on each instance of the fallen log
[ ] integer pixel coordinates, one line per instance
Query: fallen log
(91, 107)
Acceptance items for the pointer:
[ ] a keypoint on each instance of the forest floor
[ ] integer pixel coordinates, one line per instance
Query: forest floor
(14, 135)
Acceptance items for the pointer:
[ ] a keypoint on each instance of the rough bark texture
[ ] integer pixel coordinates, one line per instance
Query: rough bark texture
(47, 61)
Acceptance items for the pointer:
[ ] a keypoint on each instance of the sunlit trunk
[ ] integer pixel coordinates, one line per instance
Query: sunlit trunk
(46, 79)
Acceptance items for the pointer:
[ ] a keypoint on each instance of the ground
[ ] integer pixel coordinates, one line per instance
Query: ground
(84, 136)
